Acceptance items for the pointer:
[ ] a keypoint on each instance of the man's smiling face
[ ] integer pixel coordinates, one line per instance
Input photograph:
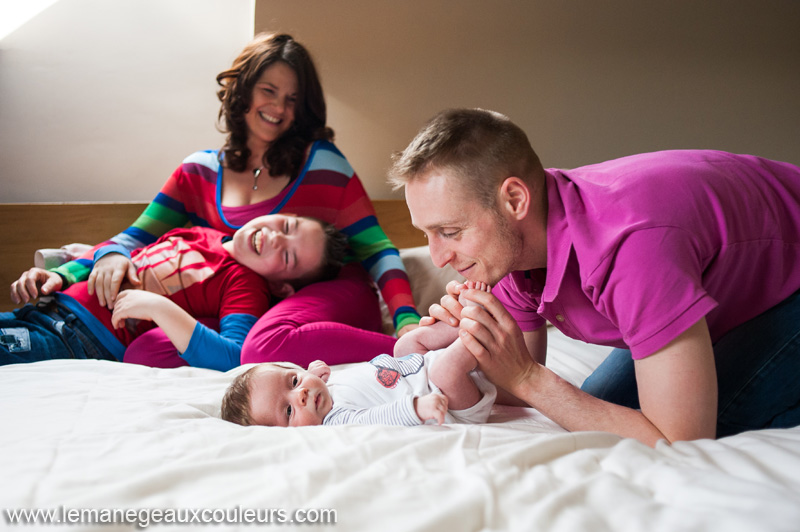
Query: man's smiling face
(476, 241)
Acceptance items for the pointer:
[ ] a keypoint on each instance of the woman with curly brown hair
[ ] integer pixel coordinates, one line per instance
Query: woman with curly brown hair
(278, 157)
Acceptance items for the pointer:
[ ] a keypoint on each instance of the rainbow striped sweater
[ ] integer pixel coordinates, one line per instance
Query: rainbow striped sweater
(327, 188)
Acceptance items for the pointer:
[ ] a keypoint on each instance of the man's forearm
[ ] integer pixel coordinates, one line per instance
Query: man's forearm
(576, 410)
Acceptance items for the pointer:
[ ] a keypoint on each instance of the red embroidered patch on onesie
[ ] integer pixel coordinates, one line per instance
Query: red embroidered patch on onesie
(387, 377)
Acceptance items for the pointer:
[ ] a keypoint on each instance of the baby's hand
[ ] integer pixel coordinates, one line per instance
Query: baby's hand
(431, 406)
(472, 285)
(320, 369)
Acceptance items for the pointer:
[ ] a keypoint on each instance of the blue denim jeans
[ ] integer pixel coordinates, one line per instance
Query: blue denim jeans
(45, 331)
(758, 373)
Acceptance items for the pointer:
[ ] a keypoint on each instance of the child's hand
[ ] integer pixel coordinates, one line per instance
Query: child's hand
(176, 323)
(431, 406)
(137, 304)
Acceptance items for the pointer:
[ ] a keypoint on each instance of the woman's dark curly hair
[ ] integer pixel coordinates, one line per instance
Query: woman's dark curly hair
(285, 155)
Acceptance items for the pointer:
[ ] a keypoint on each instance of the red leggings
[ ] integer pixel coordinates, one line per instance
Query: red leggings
(335, 321)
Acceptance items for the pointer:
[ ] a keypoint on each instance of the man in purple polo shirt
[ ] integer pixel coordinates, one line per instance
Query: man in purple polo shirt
(688, 262)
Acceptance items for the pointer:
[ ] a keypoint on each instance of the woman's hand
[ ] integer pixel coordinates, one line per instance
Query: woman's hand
(107, 276)
(449, 309)
(407, 329)
(33, 283)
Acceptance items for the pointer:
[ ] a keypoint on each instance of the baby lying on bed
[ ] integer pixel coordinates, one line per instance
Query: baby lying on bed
(408, 389)
(187, 273)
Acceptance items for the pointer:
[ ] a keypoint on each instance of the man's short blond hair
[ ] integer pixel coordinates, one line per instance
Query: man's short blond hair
(481, 148)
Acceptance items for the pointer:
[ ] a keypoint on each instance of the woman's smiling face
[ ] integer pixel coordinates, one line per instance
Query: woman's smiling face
(272, 106)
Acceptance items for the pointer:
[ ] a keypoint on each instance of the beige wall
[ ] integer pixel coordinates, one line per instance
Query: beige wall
(102, 99)
(587, 80)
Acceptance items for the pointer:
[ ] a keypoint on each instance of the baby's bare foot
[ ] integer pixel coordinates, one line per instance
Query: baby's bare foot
(474, 285)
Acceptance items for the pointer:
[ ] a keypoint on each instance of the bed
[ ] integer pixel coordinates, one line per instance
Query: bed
(110, 446)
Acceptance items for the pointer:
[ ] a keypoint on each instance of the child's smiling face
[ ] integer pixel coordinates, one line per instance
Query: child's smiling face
(280, 247)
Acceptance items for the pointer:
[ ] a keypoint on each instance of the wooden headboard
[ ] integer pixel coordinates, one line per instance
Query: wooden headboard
(27, 227)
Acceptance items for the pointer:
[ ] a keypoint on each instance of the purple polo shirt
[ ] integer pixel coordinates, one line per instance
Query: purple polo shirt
(640, 248)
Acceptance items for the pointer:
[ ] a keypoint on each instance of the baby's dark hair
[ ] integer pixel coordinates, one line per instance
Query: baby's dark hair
(333, 256)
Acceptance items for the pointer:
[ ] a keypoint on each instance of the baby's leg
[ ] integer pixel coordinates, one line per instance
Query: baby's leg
(424, 339)
(450, 371)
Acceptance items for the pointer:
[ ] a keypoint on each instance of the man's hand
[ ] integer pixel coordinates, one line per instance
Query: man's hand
(492, 335)
(431, 406)
(449, 309)
(34, 283)
(107, 276)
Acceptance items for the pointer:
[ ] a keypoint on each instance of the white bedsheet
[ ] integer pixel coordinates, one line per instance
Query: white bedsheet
(92, 434)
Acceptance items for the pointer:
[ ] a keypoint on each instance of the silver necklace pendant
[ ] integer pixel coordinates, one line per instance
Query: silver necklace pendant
(256, 173)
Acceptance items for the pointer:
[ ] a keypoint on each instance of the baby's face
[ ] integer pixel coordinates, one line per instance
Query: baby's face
(282, 397)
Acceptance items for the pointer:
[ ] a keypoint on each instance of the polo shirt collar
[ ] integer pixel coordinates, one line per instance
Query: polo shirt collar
(559, 243)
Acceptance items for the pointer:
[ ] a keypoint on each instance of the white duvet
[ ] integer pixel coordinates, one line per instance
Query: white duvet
(80, 435)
